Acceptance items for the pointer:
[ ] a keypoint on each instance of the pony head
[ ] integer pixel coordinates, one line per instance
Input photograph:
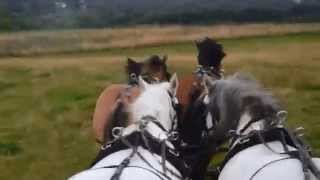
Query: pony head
(153, 69)
(156, 101)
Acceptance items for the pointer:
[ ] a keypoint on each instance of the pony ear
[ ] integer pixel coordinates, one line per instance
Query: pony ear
(142, 84)
(174, 83)
(197, 42)
(131, 61)
(164, 59)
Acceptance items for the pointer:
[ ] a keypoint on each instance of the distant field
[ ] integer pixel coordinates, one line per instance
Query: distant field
(46, 102)
(74, 41)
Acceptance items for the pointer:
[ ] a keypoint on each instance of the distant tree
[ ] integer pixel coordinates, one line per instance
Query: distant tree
(5, 19)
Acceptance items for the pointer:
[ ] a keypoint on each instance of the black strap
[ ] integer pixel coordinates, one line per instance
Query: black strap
(271, 162)
(208, 70)
(304, 157)
(154, 145)
(286, 138)
(255, 139)
(248, 125)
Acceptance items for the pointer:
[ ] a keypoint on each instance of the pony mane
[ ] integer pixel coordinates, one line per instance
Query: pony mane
(210, 53)
(133, 67)
(231, 97)
(155, 63)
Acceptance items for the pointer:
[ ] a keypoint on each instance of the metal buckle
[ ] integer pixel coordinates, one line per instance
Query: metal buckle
(243, 140)
(173, 136)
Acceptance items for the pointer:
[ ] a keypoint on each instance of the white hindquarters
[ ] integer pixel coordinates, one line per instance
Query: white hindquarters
(259, 163)
(137, 169)
(155, 101)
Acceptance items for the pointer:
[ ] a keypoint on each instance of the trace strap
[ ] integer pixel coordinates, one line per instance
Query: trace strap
(275, 134)
(136, 138)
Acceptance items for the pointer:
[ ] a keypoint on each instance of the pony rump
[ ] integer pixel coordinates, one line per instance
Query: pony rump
(235, 95)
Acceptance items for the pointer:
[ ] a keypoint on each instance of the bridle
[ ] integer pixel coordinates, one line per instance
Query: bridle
(171, 135)
(211, 118)
(211, 71)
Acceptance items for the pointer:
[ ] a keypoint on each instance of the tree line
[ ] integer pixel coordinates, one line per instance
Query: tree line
(16, 15)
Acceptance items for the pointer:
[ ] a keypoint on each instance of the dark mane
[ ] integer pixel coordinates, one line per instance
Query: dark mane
(210, 53)
(150, 66)
(231, 97)
(155, 63)
(133, 67)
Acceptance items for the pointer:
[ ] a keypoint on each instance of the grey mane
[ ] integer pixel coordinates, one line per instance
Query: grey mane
(232, 96)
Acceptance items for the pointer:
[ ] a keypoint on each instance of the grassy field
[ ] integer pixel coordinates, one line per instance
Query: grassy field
(75, 41)
(46, 102)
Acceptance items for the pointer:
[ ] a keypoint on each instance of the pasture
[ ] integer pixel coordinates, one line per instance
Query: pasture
(47, 100)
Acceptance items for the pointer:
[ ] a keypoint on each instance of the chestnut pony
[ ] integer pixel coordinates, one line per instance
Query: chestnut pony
(114, 98)
(191, 93)
(210, 56)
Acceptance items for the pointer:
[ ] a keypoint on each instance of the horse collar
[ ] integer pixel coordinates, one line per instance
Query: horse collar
(153, 145)
(238, 145)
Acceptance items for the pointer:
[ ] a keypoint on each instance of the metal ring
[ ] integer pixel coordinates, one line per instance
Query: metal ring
(117, 132)
(174, 135)
(133, 76)
(282, 115)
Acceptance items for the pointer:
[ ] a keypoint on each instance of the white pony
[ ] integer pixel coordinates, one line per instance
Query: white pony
(261, 147)
(152, 118)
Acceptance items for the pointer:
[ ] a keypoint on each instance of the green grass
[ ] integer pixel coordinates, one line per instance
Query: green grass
(47, 101)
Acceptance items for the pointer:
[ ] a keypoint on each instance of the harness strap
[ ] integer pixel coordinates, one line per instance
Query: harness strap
(272, 162)
(305, 157)
(107, 167)
(286, 138)
(148, 142)
(248, 125)
(123, 165)
(255, 139)
(293, 154)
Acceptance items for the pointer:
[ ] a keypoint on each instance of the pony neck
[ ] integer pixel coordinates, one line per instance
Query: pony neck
(245, 125)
